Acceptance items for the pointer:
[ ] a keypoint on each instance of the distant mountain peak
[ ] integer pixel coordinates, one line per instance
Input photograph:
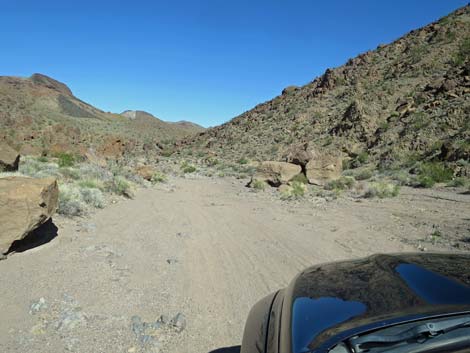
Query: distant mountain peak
(43, 80)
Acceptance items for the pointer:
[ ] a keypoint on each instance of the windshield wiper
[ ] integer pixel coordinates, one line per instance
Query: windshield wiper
(419, 332)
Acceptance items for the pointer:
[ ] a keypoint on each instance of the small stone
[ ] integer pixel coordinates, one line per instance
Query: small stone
(164, 319)
(172, 261)
(38, 306)
(178, 322)
(132, 350)
(145, 339)
(136, 325)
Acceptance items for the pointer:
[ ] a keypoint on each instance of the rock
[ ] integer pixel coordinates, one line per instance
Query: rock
(25, 204)
(276, 173)
(38, 306)
(290, 89)
(9, 158)
(298, 154)
(178, 322)
(172, 261)
(323, 167)
(145, 171)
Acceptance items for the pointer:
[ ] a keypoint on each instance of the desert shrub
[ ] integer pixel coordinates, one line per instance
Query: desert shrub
(459, 182)
(70, 173)
(382, 190)
(70, 201)
(158, 177)
(402, 177)
(92, 196)
(433, 172)
(295, 190)
(32, 167)
(65, 159)
(343, 183)
(43, 159)
(91, 184)
(363, 157)
(259, 184)
(301, 178)
(121, 186)
(463, 53)
(243, 160)
(189, 169)
(364, 174)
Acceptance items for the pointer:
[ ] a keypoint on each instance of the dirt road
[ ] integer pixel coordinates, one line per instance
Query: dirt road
(208, 249)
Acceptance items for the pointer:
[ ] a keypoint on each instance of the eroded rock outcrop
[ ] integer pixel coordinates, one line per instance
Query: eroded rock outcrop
(25, 204)
(9, 158)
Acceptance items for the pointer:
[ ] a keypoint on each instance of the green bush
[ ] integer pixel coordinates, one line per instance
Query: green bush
(259, 184)
(382, 190)
(301, 178)
(295, 190)
(433, 172)
(243, 160)
(343, 183)
(121, 186)
(158, 177)
(189, 169)
(363, 157)
(364, 174)
(459, 182)
(91, 184)
(65, 159)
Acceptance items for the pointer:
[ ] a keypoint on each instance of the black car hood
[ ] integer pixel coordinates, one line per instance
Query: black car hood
(330, 302)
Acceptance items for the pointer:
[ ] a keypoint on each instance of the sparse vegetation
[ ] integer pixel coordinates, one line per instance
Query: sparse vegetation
(432, 173)
(343, 183)
(158, 177)
(259, 185)
(295, 190)
(381, 190)
(66, 160)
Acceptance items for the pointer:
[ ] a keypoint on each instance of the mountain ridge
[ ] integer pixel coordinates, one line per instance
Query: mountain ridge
(404, 101)
(40, 115)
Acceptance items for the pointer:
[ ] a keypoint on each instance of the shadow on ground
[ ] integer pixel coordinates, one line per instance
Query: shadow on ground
(40, 236)
(234, 349)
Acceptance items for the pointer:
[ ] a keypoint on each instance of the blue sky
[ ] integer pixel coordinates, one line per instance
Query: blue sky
(205, 61)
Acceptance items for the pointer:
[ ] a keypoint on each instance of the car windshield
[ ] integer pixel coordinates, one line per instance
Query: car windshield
(449, 334)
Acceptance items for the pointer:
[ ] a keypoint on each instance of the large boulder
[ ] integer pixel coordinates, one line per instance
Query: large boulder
(323, 167)
(298, 154)
(25, 204)
(276, 173)
(9, 158)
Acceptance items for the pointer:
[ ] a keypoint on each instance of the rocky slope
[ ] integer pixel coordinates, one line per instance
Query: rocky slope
(40, 115)
(401, 103)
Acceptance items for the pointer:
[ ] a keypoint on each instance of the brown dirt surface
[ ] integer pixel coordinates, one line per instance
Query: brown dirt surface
(205, 248)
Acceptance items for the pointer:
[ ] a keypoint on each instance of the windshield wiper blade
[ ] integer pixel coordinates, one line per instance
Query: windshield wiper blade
(426, 330)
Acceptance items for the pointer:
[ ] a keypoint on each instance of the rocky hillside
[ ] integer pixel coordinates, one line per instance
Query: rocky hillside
(39, 115)
(404, 102)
